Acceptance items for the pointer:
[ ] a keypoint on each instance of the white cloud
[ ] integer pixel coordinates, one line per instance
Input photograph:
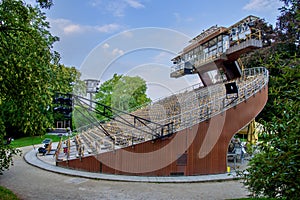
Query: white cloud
(116, 7)
(63, 26)
(117, 52)
(127, 34)
(261, 5)
(134, 4)
(105, 46)
(72, 28)
(108, 28)
(67, 27)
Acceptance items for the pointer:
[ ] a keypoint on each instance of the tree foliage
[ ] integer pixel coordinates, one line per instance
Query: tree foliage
(284, 75)
(29, 70)
(275, 170)
(30, 73)
(45, 3)
(288, 23)
(122, 93)
(66, 80)
(25, 66)
(82, 116)
(6, 151)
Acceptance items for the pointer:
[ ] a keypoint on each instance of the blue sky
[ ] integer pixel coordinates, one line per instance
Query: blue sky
(102, 37)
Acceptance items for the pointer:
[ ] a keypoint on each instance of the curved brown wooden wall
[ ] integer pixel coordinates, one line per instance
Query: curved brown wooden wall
(200, 149)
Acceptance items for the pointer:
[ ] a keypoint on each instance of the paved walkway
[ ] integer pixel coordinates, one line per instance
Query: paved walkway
(47, 162)
(30, 183)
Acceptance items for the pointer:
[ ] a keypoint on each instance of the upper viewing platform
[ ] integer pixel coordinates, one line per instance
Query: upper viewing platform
(218, 48)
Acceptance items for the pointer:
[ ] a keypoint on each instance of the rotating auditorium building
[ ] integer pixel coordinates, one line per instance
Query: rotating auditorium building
(187, 133)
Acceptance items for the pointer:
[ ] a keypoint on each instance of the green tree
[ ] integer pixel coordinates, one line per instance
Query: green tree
(29, 73)
(6, 151)
(283, 83)
(82, 116)
(275, 170)
(66, 81)
(122, 93)
(288, 23)
(25, 57)
(285, 38)
(45, 3)
(25, 67)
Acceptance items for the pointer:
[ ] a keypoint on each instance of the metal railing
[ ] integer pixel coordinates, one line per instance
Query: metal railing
(195, 104)
(251, 81)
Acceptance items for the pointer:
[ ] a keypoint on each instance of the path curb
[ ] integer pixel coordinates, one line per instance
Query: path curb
(31, 158)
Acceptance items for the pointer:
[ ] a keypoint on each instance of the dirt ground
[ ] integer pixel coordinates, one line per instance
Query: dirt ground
(29, 182)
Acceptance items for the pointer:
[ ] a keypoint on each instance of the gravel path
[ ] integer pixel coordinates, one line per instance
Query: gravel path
(29, 182)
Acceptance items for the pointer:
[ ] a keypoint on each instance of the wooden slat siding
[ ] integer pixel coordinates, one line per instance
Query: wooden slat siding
(213, 163)
(89, 163)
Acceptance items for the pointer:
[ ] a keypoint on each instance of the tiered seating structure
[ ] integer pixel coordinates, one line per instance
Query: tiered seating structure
(183, 109)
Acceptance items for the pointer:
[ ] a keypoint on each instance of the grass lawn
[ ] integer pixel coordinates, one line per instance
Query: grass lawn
(6, 194)
(32, 140)
(258, 198)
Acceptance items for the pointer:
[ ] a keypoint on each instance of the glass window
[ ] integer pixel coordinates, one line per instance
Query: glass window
(225, 43)
(220, 50)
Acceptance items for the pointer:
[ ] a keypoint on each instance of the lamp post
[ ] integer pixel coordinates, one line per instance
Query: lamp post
(92, 86)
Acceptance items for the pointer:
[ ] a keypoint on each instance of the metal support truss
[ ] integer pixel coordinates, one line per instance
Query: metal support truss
(155, 129)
